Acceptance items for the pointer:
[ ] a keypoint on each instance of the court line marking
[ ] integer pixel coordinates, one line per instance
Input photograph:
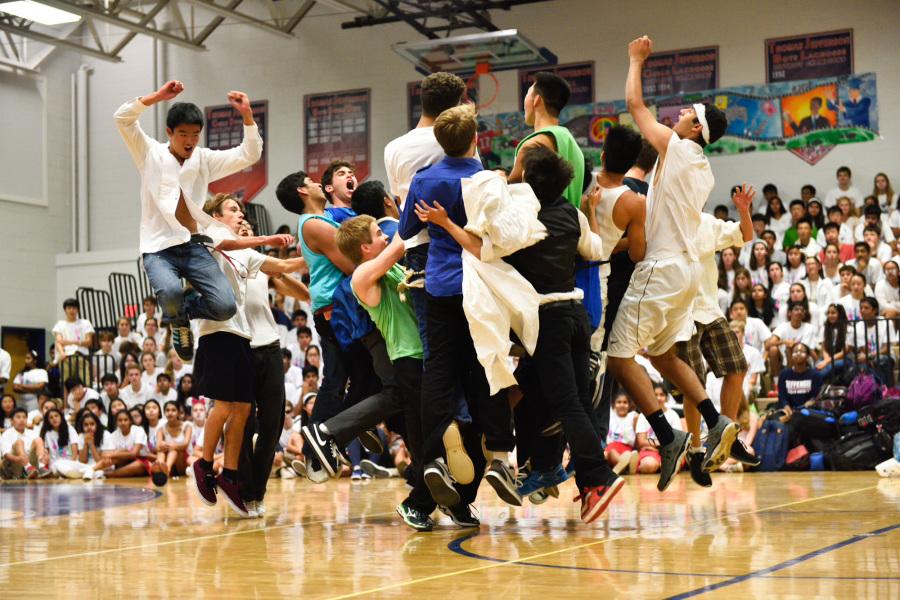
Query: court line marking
(785, 564)
(190, 539)
(516, 561)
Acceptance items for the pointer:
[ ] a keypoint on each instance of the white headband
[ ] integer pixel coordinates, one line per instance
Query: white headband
(700, 109)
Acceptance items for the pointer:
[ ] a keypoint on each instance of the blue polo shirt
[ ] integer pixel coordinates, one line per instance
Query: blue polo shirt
(441, 182)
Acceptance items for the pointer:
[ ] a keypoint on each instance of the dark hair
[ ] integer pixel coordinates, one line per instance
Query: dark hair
(93, 401)
(125, 355)
(647, 156)
(758, 217)
(874, 228)
(770, 187)
(441, 91)
(796, 202)
(368, 199)
(862, 246)
(287, 195)
(286, 353)
(18, 410)
(553, 90)
(720, 207)
(310, 370)
(109, 378)
(720, 264)
(71, 302)
(305, 330)
(144, 422)
(831, 225)
(166, 405)
(586, 179)
(164, 375)
(79, 425)
(63, 427)
(844, 170)
(300, 312)
(184, 113)
(767, 313)
(809, 187)
(738, 294)
(328, 175)
(769, 214)
(717, 122)
(73, 381)
(10, 413)
(111, 421)
(804, 304)
(872, 302)
(752, 262)
(182, 395)
(546, 172)
(835, 337)
(621, 148)
(150, 299)
(805, 220)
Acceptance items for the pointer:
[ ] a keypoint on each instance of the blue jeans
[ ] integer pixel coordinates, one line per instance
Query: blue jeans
(215, 298)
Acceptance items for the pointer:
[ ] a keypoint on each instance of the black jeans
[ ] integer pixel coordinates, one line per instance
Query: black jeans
(532, 415)
(330, 398)
(562, 362)
(452, 360)
(266, 419)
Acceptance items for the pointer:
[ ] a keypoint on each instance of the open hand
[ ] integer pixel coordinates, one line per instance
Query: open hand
(239, 101)
(640, 48)
(743, 199)
(281, 240)
(432, 214)
(170, 89)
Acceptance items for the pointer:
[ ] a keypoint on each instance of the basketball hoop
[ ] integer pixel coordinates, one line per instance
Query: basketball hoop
(474, 83)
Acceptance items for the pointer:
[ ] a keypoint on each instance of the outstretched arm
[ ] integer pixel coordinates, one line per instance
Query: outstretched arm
(281, 240)
(656, 133)
(126, 118)
(438, 215)
(282, 265)
(225, 162)
(368, 274)
(743, 200)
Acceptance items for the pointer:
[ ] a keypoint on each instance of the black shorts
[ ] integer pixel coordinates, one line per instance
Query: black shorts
(223, 368)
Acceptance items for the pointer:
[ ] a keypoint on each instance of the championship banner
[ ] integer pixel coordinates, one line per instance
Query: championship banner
(807, 118)
(337, 128)
(681, 71)
(809, 56)
(224, 130)
(414, 96)
(579, 76)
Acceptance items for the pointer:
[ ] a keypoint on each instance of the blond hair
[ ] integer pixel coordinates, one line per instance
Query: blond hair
(455, 129)
(213, 206)
(352, 234)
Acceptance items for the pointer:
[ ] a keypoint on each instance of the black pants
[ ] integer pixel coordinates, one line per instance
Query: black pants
(562, 362)
(330, 398)
(452, 360)
(532, 415)
(408, 377)
(376, 407)
(266, 419)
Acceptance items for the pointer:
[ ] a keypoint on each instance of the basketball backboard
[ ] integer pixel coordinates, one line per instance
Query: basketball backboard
(502, 50)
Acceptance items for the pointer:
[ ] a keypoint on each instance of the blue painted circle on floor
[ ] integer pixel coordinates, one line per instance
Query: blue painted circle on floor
(34, 501)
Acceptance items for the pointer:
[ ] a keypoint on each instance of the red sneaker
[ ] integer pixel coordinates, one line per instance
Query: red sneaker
(232, 493)
(205, 484)
(594, 500)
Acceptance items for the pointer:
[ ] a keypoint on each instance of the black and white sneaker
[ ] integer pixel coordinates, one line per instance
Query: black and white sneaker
(373, 469)
(414, 518)
(695, 460)
(182, 340)
(461, 514)
(324, 447)
(740, 453)
(500, 476)
(440, 484)
(672, 454)
(371, 441)
(719, 441)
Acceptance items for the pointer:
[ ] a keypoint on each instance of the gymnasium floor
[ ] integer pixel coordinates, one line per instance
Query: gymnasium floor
(776, 535)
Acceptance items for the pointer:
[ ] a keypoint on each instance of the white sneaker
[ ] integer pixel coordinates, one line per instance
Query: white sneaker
(889, 468)
(88, 475)
(99, 475)
(287, 473)
(251, 509)
(260, 509)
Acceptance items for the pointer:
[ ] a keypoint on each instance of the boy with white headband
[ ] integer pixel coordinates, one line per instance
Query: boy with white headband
(656, 311)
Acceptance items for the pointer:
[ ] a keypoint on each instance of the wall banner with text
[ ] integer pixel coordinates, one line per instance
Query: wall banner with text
(337, 127)
(224, 130)
(809, 56)
(681, 71)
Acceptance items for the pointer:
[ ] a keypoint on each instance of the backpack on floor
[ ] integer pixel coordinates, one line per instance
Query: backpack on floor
(771, 445)
(831, 397)
(865, 389)
(860, 451)
(884, 416)
(815, 424)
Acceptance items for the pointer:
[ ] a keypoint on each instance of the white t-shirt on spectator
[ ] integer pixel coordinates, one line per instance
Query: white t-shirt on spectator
(872, 336)
(845, 235)
(186, 369)
(806, 333)
(756, 333)
(117, 441)
(811, 250)
(31, 377)
(51, 443)
(89, 394)
(643, 425)
(5, 365)
(819, 292)
(886, 234)
(11, 436)
(851, 306)
(780, 293)
(292, 393)
(76, 330)
(621, 429)
(836, 193)
(294, 375)
(887, 295)
(148, 380)
(132, 398)
(755, 364)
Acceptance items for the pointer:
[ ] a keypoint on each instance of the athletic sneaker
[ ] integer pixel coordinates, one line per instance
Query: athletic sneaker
(101, 474)
(440, 484)
(539, 497)
(695, 460)
(251, 509)
(461, 514)
(324, 447)
(299, 467)
(232, 493)
(624, 462)
(29, 472)
(373, 469)
(371, 441)
(315, 472)
(718, 443)
(44, 472)
(740, 453)
(286, 473)
(356, 474)
(415, 518)
(458, 460)
(182, 340)
(501, 478)
(594, 500)
(88, 475)
(672, 454)
(205, 484)
(539, 481)
(159, 478)
(553, 491)
(260, 509)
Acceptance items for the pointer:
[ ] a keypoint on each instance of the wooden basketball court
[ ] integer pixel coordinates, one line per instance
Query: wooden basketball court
(751, 535)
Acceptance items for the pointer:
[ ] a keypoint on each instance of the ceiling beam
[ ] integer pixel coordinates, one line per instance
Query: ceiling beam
(101, 15)
(49, 39)
(394, 9)
(240, 17)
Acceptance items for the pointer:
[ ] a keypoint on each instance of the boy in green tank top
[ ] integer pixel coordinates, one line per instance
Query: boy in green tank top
(374, 283)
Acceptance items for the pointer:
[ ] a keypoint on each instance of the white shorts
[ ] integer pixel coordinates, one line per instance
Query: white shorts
(657, 309)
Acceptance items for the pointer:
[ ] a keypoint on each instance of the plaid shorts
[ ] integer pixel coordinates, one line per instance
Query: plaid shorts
(718, 345)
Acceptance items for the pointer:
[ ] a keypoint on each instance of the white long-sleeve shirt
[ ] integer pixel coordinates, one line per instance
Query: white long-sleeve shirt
(163, 179)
